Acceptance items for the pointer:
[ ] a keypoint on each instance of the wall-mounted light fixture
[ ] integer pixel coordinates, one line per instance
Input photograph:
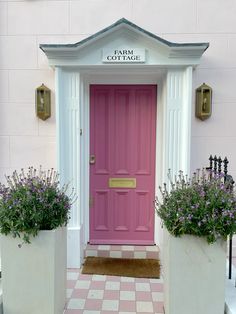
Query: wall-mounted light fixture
(43, 102)
(203, 102)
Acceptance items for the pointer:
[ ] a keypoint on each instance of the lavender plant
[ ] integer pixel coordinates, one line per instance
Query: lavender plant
(202, 205)
(33, 201)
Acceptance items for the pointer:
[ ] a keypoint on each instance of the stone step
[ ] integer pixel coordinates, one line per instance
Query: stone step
(123, 251)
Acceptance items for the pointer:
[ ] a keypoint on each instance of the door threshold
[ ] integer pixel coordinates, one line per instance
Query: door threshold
(122, 251)
(121, 242)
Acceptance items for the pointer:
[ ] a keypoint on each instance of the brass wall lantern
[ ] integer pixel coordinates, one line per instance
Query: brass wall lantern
(203, 102)
(43, 102)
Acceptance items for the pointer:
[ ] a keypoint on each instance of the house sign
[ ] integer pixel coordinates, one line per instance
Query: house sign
(124, 55)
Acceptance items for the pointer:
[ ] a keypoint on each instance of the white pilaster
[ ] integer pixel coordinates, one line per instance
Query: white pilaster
(172, 122)
(68, 152)
(177, 125)
(186, 121)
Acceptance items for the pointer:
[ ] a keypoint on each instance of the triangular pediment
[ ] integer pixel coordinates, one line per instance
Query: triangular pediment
(124, 43)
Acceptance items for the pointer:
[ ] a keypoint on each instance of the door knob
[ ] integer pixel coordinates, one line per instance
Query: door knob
(92, 159)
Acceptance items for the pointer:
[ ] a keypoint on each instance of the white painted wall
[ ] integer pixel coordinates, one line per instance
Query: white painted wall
(25, 140)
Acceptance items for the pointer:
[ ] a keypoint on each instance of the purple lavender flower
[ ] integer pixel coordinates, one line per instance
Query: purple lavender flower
(214, 201)
(33, 201)
(202, 193)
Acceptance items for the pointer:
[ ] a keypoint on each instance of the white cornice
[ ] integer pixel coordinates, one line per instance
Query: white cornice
(160, 52)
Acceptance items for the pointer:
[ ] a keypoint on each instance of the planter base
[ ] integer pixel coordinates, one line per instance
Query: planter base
(194, 275)
(34, 276)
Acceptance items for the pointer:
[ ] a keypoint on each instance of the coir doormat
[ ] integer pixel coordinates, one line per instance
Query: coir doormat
(127, 267)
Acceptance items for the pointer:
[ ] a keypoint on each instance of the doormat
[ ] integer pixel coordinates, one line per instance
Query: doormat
(127, 267)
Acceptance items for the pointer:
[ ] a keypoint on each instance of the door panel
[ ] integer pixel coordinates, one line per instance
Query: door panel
(122, 139)
(101, 126)
(143, 122)
(101, 216)
(121, 131)
(142, 221)
(121, 210)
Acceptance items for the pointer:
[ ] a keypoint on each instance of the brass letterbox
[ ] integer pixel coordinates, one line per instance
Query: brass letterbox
(122, 183)
(203, 102)
(43, 102)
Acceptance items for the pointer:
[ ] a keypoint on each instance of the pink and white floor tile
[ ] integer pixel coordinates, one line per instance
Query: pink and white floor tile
(95, 294)
(123, 251)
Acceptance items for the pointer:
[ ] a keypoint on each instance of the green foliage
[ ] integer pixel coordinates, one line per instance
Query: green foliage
(202, 205)
(33, 201)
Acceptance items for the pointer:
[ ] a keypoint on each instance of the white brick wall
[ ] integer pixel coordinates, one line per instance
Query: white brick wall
(24, 140)
(38, 17)
(3, 18)
(92, 15)
(167, 16)
(18, 52)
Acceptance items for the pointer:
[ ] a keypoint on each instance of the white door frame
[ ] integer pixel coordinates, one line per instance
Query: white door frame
(172, 140)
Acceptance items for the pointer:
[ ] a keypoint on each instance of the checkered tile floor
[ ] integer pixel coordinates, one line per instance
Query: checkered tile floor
(95, 294)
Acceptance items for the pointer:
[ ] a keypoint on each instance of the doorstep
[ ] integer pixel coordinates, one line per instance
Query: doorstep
(123, 251)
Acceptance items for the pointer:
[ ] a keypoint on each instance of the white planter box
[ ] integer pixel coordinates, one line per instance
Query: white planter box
(34, 276)
(194, 275)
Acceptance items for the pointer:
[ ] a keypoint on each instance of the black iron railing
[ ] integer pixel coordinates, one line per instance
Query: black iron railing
(215, 166)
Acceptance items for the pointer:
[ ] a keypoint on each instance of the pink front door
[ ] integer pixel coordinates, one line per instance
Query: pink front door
(122, 163)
